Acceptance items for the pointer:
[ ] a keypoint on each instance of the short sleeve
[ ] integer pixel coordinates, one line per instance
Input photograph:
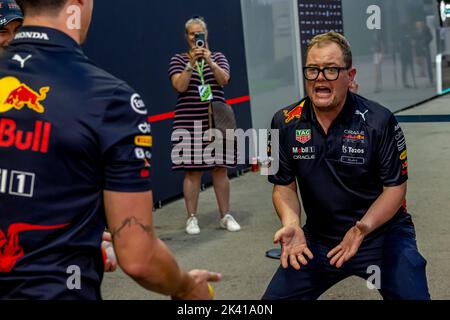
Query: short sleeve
(176, 65)
(282, 172)
(392, 152)
(222, 61)
(126, 140)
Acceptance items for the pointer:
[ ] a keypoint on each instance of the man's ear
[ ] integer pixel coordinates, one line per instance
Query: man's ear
(78, 3)
(352, 73)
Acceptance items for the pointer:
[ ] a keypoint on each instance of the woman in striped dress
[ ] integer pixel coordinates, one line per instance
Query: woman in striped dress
(199, 77)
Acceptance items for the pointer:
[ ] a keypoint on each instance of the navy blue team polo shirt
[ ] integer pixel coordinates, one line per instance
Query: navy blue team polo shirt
(342, 173)
(68, 131)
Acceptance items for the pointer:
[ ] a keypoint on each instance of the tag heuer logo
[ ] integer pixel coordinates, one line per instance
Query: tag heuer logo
(303, 136)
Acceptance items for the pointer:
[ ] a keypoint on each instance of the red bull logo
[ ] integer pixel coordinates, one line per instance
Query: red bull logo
(295, 113)
(16, 95)
(354, 137)
(36, 140)
(10, 249)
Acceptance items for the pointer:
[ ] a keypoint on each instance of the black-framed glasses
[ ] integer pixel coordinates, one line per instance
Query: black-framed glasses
(330, 73)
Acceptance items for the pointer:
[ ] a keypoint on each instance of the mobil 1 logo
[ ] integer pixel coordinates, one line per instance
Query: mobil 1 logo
(17, 183)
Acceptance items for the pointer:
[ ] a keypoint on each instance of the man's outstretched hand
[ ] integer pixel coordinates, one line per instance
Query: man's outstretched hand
(349, 245)
(293, 247)
(200, 288)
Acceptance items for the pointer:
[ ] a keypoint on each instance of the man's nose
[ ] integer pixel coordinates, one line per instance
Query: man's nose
(321, 76)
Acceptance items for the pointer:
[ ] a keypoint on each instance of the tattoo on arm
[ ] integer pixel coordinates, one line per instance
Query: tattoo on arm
(130, 222)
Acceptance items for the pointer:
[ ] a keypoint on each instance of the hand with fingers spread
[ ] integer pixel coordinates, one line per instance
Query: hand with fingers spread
(349, 245)
(293, 247)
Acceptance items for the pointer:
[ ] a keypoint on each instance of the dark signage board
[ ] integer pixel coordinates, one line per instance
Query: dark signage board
(316, 17)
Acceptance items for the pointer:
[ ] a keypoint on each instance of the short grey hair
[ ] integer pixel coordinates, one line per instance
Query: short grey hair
(196, 20)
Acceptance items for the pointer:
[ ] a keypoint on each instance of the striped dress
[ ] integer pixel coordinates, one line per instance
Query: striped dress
(191, 114)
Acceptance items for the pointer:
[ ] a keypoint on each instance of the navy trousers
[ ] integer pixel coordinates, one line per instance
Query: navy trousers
(395, 255)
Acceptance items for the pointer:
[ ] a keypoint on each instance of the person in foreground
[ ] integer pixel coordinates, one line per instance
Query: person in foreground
(348, 156)
(75, 149)
(10, 23)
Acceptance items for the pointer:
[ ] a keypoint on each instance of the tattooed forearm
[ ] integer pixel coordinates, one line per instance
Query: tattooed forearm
(130, 222)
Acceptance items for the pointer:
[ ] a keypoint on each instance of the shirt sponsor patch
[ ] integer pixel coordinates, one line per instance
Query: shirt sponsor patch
(143, 141)
(32, 35)
(353, 160)
(354, 136)
(142, 154)
(400, 138)
(145, 128)
(13, 136)
(352, 150)
(403, 155)
(138, 104)
(10, 249)
(303, 136)
(362, 114)
(17, 95)
(304, 153)
(295, 113)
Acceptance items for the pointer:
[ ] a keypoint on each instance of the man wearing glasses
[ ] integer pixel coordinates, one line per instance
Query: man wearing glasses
(348, 156)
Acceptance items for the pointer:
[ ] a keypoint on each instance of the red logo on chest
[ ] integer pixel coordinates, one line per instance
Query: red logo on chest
(10, 249)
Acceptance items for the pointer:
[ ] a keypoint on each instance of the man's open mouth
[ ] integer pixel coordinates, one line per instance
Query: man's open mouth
(325, 90)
